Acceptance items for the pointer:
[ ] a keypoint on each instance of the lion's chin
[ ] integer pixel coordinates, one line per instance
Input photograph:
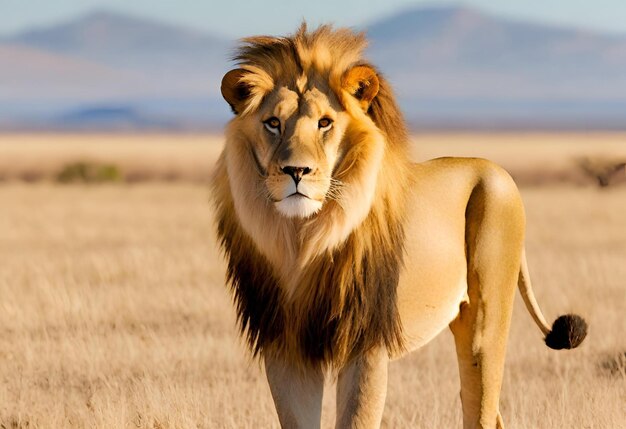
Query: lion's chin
(298, 206)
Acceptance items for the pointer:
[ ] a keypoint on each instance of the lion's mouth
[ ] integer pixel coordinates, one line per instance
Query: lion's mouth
(296, 195)
(298, 204)
(299, 194)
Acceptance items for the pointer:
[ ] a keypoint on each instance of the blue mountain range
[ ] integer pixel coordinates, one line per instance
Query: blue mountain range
(453, 67)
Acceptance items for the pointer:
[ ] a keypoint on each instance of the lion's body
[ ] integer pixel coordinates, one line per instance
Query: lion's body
(445, 194)
(342, 254)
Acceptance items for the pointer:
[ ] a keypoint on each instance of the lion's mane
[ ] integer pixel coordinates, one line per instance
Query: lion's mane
(344, 300)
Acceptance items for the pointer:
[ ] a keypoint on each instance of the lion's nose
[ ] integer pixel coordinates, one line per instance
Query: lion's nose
(296, 173)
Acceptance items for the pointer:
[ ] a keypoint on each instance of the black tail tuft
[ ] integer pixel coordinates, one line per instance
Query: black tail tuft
(567, 332)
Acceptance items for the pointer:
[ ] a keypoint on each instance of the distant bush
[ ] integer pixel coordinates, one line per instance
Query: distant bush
(605, 172)
(86, 172)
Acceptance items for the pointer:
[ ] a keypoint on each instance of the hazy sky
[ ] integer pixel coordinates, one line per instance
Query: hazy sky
(239, 18)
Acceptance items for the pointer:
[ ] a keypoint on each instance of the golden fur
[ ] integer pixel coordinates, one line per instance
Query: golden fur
(341, 253)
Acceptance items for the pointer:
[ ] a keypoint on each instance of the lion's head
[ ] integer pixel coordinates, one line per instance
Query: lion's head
(295, 125)
(309, 137)
(310, 195)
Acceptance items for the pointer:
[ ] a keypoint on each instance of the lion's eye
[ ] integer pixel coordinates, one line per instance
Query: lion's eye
(272, 124)
(325, 124)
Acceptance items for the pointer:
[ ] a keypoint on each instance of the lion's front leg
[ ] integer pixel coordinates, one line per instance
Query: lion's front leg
(361, 391)
(297, 394)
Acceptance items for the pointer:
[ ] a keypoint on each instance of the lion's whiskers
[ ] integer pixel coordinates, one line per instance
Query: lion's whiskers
(335, 192)
(262, 192)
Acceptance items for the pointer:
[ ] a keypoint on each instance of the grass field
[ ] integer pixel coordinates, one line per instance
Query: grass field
(532, 158)
(114, 314)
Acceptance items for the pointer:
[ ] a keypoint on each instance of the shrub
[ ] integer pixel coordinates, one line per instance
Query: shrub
(605, 172)
(86, 172)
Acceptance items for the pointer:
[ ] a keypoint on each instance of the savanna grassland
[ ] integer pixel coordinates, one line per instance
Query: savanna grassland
(114, 314)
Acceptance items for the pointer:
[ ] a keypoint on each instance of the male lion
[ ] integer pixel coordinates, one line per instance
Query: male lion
(342, 254)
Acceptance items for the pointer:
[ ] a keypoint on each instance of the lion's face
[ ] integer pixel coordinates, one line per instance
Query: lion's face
(297, 146)
(296, 135)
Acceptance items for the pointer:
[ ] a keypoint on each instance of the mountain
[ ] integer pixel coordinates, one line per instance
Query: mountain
(456, 40)
(31, 74)
(128, 42)
(452, 67)
(113, 118)
(161, 53)
(462, 63)
(105, 59)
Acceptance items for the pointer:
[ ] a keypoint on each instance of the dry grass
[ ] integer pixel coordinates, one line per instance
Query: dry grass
(113, 314)
(535, 158)
(36, 157)
(532, 158)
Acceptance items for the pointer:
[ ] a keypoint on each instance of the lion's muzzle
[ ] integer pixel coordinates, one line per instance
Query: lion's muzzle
(297, 191)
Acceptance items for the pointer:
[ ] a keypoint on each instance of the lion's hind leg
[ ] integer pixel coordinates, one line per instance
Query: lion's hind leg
(480, 373)
(494, 238)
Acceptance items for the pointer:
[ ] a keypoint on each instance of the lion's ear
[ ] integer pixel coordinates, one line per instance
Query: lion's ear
(234, 90)
(362, 83)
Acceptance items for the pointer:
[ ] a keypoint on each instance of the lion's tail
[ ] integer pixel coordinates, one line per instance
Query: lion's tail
(567, 331)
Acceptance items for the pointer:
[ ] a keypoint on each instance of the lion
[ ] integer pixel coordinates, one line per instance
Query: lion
(342, 254)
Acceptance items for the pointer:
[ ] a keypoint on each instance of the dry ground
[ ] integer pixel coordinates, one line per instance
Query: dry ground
(532, 158)
(113, 313)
